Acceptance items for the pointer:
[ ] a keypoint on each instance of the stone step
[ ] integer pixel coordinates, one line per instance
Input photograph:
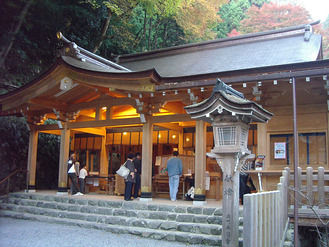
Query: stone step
(124, 211)
(159, 234)
(122, 204)
(210, 229)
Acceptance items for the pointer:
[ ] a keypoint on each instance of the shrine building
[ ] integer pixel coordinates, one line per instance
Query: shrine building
(104, 110)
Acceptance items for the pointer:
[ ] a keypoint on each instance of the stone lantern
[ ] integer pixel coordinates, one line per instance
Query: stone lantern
(230, 115)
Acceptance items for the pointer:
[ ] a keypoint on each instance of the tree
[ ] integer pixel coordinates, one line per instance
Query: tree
(272, 16)
(232, 14)
(198, 18)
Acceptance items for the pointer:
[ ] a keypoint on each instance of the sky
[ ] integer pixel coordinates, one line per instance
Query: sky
(319, 9)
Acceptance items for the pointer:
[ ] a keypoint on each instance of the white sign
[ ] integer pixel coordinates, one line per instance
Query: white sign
(279, 150)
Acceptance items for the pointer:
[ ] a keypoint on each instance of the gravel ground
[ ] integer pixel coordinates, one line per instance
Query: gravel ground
(25, 233)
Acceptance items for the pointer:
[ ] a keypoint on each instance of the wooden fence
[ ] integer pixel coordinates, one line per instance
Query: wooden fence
(312, 185)
(265, 216)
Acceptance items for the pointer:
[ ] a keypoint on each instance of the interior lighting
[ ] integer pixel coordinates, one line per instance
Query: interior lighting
(244, 84)
(163, 93)
(104, 108)
(159, 136)
(307, 79)
(176, 92)
(259, 83)
(324, 77)
(173, 136)
(124, 133)
(275, 82)
(187, 139)
(202, 89)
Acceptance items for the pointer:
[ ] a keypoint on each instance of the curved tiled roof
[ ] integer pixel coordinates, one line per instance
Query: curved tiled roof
(284, 46)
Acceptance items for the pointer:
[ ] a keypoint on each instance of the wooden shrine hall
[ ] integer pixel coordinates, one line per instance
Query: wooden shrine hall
(103, 110)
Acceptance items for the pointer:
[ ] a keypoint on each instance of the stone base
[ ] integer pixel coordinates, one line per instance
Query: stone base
(146, 194)
(199, 203)
(30, 191)
(145, 199)
(62, 193)
(31, 187)
(62, 189)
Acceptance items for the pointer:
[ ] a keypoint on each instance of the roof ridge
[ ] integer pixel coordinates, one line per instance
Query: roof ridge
(84, 55)
(202, 45)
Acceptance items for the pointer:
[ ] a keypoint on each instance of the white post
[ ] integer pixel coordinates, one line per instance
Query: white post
(321, 186)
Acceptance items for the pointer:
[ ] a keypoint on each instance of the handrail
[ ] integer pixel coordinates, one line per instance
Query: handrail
(12, 174)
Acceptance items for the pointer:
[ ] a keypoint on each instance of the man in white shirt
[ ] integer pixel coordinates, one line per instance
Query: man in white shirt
(82, 176)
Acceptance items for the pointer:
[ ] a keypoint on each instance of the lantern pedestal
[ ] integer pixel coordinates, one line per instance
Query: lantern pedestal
(230, 115)
(230, 164)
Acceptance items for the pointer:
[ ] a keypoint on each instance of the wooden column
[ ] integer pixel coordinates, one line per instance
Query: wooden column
(147, 148)
(200, 162)
(32, 159)
(262, 141)
(262, 150)
(63, 158)
(104, 162)
(181, 143)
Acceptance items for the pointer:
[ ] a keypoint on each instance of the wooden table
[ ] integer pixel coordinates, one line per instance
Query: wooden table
(158, 180)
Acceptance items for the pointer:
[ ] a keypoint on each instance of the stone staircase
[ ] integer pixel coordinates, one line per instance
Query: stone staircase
(189, 224)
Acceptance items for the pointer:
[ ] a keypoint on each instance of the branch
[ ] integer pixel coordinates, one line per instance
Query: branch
(105, 28)
(13, 35)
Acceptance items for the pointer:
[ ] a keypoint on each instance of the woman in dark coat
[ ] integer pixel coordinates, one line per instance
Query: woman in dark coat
(131, 177)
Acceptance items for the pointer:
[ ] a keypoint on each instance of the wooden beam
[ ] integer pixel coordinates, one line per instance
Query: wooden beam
(94, 131)
(171, 118)
(48, 104)
(102, 102)
(159, 120)
(170, 126)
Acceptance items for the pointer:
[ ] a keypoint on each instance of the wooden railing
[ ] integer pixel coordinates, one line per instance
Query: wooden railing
(12, 174)
(311, 187)
(265, 216)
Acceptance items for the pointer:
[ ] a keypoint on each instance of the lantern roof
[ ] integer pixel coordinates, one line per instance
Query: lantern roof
(225, 101)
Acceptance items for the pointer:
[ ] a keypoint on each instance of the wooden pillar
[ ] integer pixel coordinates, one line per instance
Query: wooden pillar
(181, 143)
(104, 162)
(32, 159)
(147, 148)
(200, 163)
(63, 158)
(262, 150)
(262, 141)
(109, 113)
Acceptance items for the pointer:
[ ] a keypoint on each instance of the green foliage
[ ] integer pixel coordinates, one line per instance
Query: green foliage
(14, 139)
(232, 14)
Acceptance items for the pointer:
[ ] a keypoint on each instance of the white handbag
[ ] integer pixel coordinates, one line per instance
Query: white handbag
(123, 171)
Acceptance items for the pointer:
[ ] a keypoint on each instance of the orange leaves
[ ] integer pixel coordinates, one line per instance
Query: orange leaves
(198, 18)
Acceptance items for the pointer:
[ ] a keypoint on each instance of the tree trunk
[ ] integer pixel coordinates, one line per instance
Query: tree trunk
(13, 35)
(106, 27)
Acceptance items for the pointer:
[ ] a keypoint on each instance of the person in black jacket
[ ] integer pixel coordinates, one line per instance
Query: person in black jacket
(138, 172)
(130, 180)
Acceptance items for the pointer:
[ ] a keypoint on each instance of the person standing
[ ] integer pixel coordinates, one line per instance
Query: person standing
(130, 180)
(82, 176)
(73, 173)
(138, 172)
(175, 170)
